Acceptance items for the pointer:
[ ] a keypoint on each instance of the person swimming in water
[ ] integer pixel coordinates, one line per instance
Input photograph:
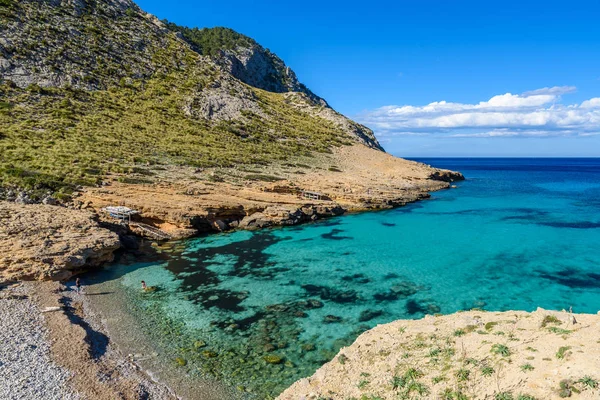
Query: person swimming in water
(144, 287)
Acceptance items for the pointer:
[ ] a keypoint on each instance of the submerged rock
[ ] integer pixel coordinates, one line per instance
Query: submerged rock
(367, 315)
(308, 347)
(398, 291)
(273, 359)
(269, 347)
(358, 278)
(331, 319)
(335, 295)
(209, 354)
(405, 289)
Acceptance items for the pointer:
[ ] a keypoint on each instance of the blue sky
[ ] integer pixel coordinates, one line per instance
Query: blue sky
(392, 64)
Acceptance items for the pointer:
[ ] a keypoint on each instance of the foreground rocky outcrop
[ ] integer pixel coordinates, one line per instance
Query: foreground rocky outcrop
(45, 242)
(467, 355)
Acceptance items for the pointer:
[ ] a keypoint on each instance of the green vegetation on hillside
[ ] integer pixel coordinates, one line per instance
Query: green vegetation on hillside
(6, 8)
(209, 41)
(55, 138)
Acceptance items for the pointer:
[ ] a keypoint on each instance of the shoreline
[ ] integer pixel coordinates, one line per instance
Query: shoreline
(78, 358)
(80, 344)
(73, 347)
(131, 337)
(79, 339)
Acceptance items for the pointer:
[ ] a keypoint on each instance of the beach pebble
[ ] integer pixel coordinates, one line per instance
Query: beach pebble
(26, 370)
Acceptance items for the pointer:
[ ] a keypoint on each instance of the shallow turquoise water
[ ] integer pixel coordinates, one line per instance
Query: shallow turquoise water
(517, 234)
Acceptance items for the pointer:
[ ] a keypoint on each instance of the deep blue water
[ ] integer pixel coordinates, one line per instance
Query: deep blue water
(517, 234)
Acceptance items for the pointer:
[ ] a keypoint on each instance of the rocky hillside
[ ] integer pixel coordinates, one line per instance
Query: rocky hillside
(92, 88)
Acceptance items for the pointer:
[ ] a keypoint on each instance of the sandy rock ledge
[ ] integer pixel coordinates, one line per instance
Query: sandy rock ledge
(45, 242)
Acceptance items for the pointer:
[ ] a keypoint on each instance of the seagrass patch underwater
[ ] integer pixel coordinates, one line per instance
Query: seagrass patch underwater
(259, 310)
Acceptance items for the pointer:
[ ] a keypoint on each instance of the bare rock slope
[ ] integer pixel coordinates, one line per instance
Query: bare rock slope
(470, 355)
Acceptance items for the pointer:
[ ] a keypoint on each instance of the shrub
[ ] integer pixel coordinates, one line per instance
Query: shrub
(490, 325)
(549, 319)
(588, 382)
(450, 394)
(500, 349)
(559, 331)
(263, 177)
(463, 374)
(562, 352)
(527, 367)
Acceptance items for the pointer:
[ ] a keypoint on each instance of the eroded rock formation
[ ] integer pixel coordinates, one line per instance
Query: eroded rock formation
(46, 242)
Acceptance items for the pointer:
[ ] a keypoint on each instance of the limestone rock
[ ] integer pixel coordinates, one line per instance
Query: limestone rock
(219, 225)
(46, 242)
(446, 176)
(288, 215)
(529, 365)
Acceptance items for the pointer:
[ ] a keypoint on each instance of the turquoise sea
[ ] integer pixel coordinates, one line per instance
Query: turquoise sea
(259, 310)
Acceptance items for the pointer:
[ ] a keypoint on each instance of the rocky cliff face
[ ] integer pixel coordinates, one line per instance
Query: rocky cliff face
(85, 44)
(252, 64)
(260, 68)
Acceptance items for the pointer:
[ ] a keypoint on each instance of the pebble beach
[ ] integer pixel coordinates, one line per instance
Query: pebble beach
(52, 348)
(27, 370)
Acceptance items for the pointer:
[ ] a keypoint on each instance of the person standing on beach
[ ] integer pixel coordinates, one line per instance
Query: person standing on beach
(78, 285)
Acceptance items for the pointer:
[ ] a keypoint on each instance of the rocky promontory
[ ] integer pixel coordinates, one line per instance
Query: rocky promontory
(349, 179)
(512, 355)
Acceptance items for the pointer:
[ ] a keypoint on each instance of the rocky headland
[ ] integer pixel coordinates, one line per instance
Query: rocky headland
(200, 130)
(54, 242)
(351, 179)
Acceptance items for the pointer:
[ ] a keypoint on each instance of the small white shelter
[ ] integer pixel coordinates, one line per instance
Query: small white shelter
(120, 212)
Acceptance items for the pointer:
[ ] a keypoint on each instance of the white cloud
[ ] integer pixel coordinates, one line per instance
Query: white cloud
(591, 103)
(534, 113)
(555, 90)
